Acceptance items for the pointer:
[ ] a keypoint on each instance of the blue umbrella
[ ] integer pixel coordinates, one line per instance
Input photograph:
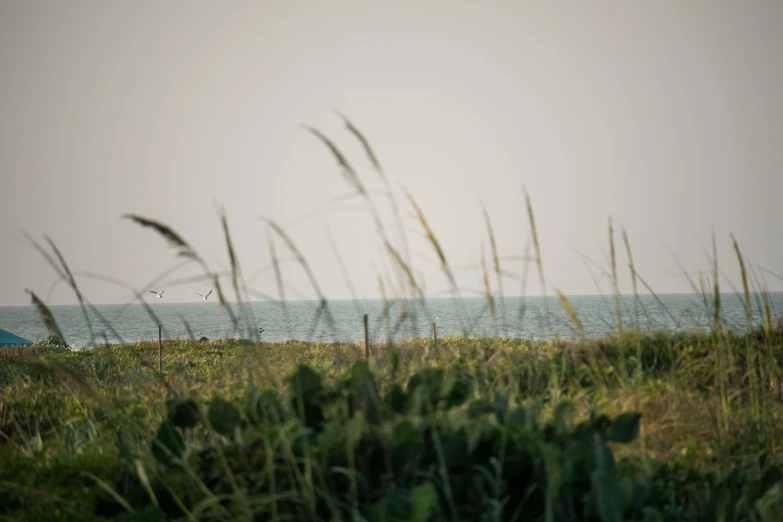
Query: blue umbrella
(9, 339)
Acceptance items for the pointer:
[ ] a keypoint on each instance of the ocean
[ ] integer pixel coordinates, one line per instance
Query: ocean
(516, 317)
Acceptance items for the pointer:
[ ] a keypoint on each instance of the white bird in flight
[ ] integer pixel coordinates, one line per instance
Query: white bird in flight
(158, 295)
(204, 297)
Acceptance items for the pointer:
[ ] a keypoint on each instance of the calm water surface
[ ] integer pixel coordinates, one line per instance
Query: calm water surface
(531, 317)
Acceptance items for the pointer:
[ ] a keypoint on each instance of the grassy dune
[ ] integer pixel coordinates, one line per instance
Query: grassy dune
(639, 426)
(79, 429)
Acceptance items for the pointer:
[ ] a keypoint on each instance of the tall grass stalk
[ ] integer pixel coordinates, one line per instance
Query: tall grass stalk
(539, 263)
(305, 266)
(615, 288)
(723, 351)
(638, 340)
(236, 276)
(386, 318)
(445, 267)
(488, 292)
(496, 264)
(387, 185)
(279, 282)
(750, 354)
(46, 315)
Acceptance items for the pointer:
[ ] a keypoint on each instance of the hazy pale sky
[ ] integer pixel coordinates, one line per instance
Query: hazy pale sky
(667, 116)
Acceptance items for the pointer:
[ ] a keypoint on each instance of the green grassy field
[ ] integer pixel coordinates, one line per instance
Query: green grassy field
(641, 426)
(487, 429)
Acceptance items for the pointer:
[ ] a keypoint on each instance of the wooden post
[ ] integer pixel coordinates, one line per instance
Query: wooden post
(160, 353)
(434, 335)
(366, 339)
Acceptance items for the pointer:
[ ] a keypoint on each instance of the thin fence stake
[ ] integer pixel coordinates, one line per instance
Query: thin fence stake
(434, 335)
(160, 353)
(366, 339)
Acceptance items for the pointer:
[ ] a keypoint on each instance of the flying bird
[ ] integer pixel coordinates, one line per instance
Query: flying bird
(158, 295)
(204, 297)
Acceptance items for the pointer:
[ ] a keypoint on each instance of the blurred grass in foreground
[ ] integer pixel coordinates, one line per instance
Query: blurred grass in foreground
(638, 426)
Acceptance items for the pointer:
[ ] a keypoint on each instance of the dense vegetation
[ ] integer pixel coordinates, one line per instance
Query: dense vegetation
(642, 426)
(486, 429)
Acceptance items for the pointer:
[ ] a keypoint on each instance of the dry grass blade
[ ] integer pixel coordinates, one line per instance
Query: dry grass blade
(744, 276)
(341, 264)
(236, 275)
(138, 296)
(495, 260)
(222, 300)
(64, 274)
(377, 165)
(570, 311)
(716, 288)
(494, 248)
(537, 249)
(770, 272)
(158, 279)
(305, 266)
(637, 301)
(764, 289)
(431, 238)
(597, 282)
(174, 239)
(630, 261)
(279, 279)
(755, 289)
(232, 258)
(365, 143)
(276, 267)
(703, 290)
(46, 256)
(688, 277)
(658, 299)
(523, 280)
(615, 288)
(488, 291)
(297, 253)
(72, 283)
(441, 256)
(108, 489)
(407, 270)
(347, 169)
(47, 316)
(386, 318)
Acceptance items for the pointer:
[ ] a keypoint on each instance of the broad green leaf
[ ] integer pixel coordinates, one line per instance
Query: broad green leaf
(360, 373)
(169, 437)
(604, 461)
(398, 504)
(625, 427)
(404, 433)
(459, 393)
(223, 416)
(517, 418)
(397, 399)
(305, 381)
(424, 499)
(609, 497)
(355, 430)
(183, 413)
(770, 506)
(500, 405)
